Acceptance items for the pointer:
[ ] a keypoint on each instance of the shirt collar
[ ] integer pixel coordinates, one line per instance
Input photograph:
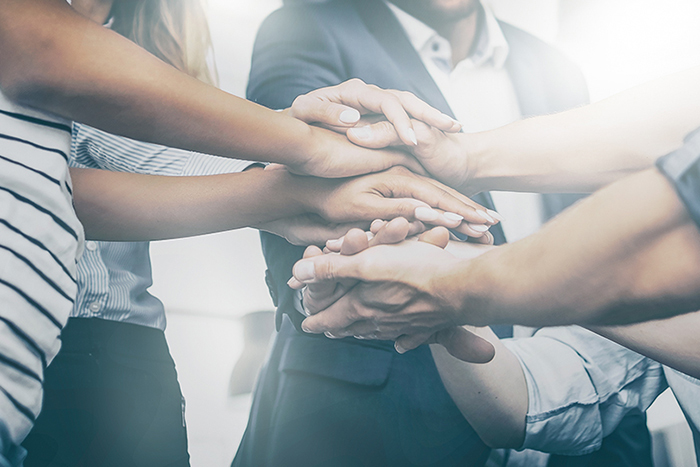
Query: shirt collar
(491, 47)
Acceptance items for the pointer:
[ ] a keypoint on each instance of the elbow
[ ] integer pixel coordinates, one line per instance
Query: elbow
(31, 71)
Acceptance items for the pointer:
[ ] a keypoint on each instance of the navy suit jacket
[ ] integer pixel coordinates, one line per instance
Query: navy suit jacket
(322, 402)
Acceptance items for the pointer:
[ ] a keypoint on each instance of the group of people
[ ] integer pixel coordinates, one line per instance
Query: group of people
(113, 130)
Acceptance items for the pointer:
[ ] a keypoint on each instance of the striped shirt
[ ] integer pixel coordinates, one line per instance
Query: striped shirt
(40, 238)
(114, 277)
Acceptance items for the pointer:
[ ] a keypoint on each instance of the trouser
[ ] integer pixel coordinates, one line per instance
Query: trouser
(111, 400)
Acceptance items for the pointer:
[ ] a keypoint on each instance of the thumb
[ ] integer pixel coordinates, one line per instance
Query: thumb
(465, 345)
(331, 267)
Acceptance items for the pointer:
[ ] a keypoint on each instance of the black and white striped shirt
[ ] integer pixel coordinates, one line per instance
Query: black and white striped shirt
(40, 239)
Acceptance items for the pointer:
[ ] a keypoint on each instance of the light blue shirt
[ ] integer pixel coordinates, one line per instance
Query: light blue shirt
(581, 385)
(114, 277)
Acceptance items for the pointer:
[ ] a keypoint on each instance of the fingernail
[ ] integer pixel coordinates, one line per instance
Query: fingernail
(359, 337)
(376, 222)
(485, 215)
(479, 227)
(458, 123)
(412, 136)
(349, 116)
(363, 132)
(305, 328)
(335, 243)
(453, 216)
(495, 215)
(426, 214)
(331, 336)
(304, 271)
(398, 348)
(370, 235)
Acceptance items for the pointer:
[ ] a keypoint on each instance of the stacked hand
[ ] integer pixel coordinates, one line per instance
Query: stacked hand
(338, 203)
(394, 299)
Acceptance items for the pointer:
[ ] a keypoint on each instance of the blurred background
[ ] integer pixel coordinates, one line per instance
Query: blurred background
(213, 286)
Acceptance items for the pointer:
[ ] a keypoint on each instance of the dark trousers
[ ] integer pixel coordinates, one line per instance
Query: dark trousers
(111, 400)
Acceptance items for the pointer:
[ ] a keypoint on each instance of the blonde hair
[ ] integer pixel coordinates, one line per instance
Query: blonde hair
(176, 31)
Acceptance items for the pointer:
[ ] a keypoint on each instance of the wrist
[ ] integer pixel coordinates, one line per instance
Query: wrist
(470, 288)
(477, 151)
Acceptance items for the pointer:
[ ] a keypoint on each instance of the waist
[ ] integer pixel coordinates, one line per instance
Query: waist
(88, 334)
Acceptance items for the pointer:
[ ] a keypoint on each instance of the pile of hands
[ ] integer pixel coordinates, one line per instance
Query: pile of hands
(376, 283)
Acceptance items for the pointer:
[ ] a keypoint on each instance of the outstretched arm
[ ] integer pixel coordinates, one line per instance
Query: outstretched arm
(79, 70)
(577, 151)
(628, 253)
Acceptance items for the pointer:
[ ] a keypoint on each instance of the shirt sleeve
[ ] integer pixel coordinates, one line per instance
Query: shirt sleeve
(580, 386)
(682, 168)
(97, 149)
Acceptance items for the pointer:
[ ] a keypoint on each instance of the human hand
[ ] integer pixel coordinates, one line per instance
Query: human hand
(340, 107)
(393, 193)
(458, 341)
(448, 157)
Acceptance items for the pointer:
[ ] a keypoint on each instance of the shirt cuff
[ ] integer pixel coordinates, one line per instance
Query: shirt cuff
(682, 168)
(204, 164)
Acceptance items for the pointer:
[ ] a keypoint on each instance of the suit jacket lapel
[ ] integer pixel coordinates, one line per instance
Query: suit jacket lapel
(526, 78)
(384, 26)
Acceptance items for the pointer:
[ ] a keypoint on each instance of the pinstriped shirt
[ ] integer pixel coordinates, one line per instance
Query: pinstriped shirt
(40, 239)
(114, 277)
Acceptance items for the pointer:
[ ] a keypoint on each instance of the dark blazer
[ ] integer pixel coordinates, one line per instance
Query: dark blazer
(322, 402)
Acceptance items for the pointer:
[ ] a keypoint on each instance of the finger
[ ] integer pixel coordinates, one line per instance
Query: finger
(375, 136)
(354, 242)
(376, 225)
(310, 252)
(456, 208)
(485, 216)
(405, 343)
(383, 102)
(438, 236)
(465, 345)
(333, 319)
(430, 115)
(392, 232)
(311, 109)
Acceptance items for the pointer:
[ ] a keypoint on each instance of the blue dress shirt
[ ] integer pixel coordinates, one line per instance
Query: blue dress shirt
(114, 277)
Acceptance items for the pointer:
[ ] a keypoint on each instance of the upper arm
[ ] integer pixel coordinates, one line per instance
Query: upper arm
(294, 54)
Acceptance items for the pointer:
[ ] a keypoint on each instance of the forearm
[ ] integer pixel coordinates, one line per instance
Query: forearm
(131, 207)
(672, 341)
(84, 72)
(585, 148)
(492, 396)
(628, 253)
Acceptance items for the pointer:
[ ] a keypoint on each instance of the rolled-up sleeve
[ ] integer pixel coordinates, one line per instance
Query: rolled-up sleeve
(682, 168)
(580, 386)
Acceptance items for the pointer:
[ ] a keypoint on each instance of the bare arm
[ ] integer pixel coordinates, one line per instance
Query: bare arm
(673, 342)
(492, 396)
(579, 150)
(58, 61)
(132, 207)
(585, 148)
(628, 253)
